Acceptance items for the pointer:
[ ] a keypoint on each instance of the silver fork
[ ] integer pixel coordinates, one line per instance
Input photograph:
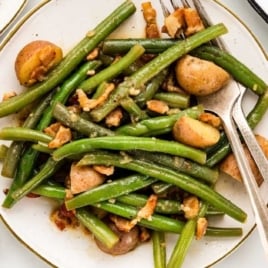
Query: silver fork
(238, 114)
(226, 103)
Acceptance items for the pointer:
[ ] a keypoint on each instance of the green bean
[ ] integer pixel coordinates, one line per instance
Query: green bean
(42, 148)
(152, 46)
(161, 188)
(219, 154)
(100, 90)
(66, 89)
(224, 231)
(239, 71)
(107, 60)
(211, 212)
(76, 122)
(173, 100)
(24, 171)
(113, 70)
(153, 67)
(46, 171)
(12, 158)
(160, 123)
(184, 241)
(71, 60)
(151, 88)
(182, 181)
(15, 149)
(23, 134)
(158, 132)
(163, 206)
(163, 60)
(181, 164)
(97, 227)
(159, 249)
(157, 222)
(3, 151)
(129, 143)
(27, 159)
(133, 109)
(258, 111)
(50, 190)
(109, 191)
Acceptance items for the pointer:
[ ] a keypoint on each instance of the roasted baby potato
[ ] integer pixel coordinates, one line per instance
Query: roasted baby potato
(34, 61)
(200, 77)
(195, 133)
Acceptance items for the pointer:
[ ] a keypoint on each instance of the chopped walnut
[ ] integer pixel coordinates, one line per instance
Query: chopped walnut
(105, 170)
(83, 100)
(68, 194)
(183, 20)
(91, 72)
(113, 119)
(134, 91)
(157, 106)
(63, 135)
(174, 23)
(190, 207)
(9, 95)
(210, 119)
(147, 210)
(149, 15)
(193, 21)
(52, 129)
(89, 104)
(93, 54)
(122, 224)
(75, 109)
(201, 227)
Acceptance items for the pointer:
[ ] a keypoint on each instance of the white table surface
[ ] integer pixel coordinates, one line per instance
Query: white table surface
(250, 254)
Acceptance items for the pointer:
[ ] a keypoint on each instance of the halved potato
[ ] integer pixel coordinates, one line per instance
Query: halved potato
(35, 60)
(195, 133)
(200, 77)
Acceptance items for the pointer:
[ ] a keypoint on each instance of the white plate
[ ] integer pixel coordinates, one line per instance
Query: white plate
(29, 219)
(9, 11)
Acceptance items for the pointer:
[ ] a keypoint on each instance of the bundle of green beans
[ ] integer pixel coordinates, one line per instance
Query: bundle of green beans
(141, 148)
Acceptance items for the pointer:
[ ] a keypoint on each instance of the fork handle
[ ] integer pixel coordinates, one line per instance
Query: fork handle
(258, 205)
(250, 140)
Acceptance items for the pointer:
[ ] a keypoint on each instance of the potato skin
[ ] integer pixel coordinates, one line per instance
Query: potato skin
(34, 61)
(200, 77)
(127, 241)
(195, 133)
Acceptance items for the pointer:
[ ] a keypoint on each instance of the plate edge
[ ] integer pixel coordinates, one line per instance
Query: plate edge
(13, 31)
(14, 16)
(23, 243)
(244, 25)
(20, 23)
